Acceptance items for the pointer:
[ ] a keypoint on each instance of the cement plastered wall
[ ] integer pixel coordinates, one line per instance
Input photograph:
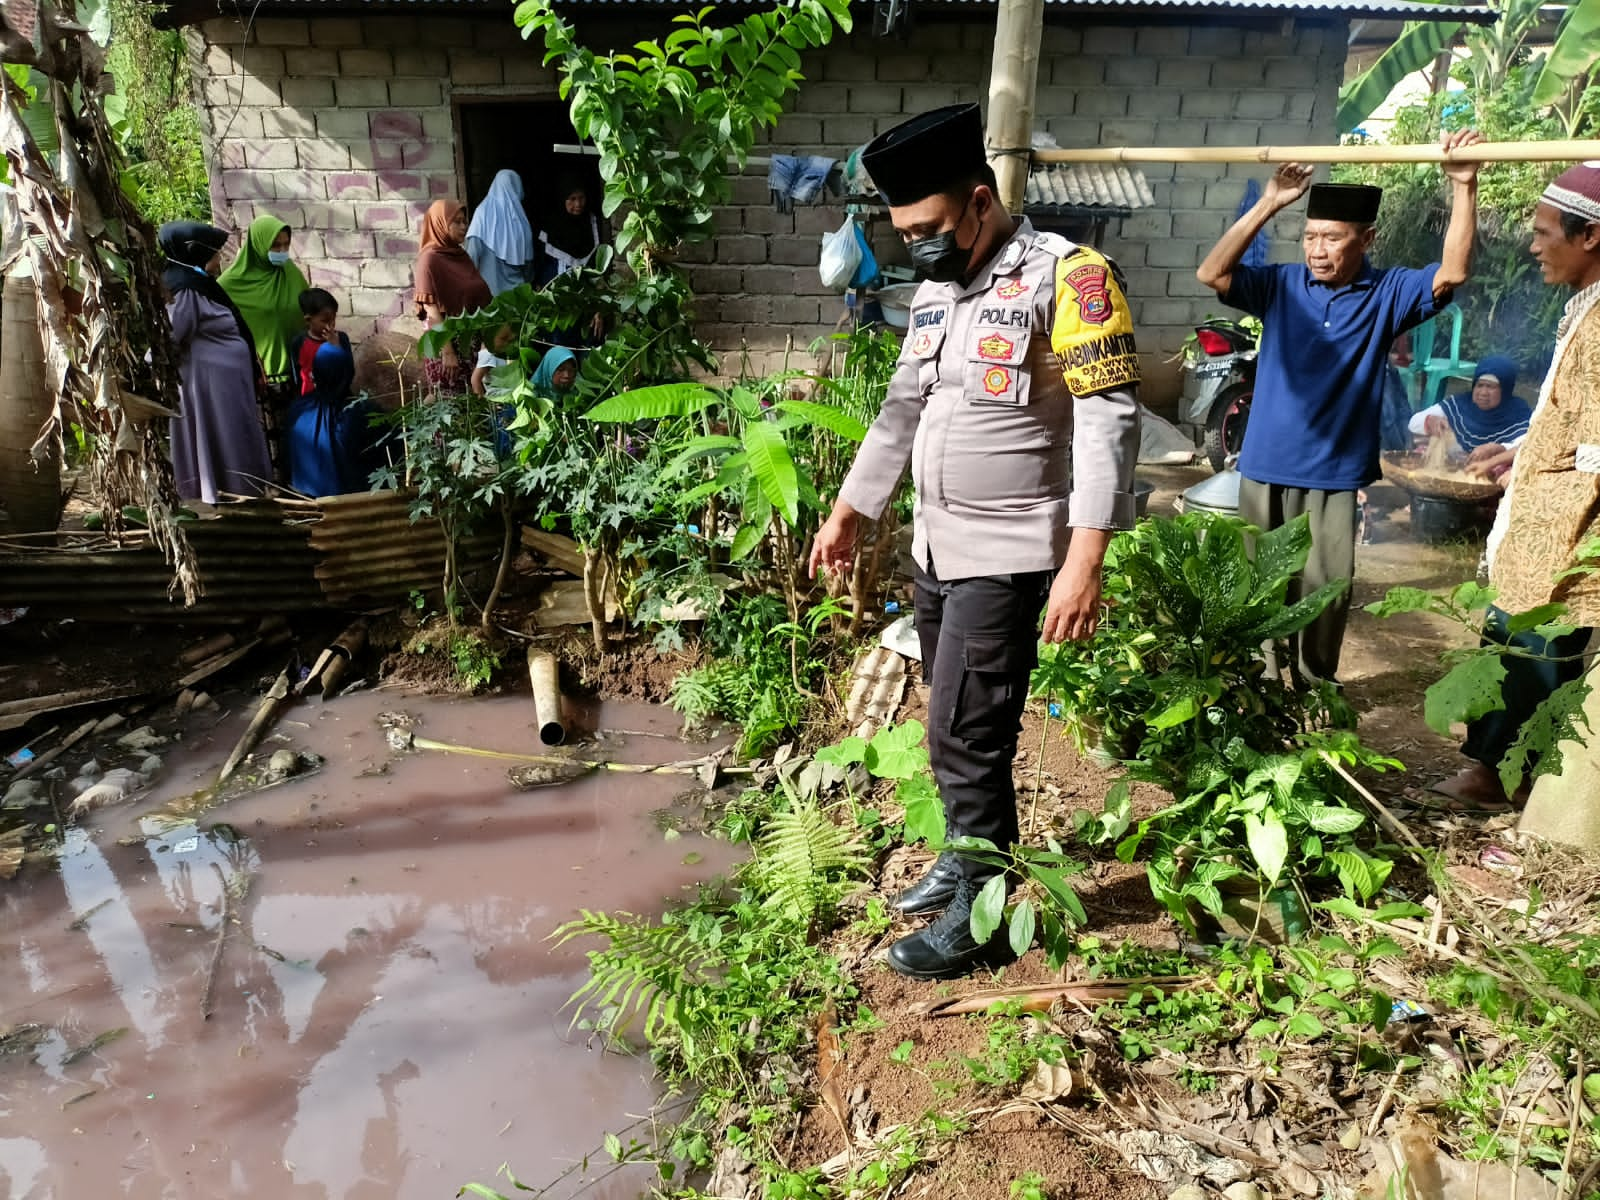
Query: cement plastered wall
(343, 126)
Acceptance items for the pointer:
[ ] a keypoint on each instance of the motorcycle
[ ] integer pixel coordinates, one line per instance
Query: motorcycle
(1218, 387)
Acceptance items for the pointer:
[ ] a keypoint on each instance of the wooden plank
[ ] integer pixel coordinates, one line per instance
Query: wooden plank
(558, 551)
(16, 713)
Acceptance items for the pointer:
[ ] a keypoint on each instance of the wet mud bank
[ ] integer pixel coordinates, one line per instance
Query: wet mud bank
(339, 988)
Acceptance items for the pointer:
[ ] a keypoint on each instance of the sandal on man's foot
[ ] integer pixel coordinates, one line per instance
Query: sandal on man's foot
(1432, 801)
(1474, 790)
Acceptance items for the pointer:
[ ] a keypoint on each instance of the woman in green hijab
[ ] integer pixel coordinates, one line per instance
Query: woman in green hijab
(266, 287)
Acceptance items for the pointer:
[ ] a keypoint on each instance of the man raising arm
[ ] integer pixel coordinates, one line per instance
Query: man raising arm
(1312, 440)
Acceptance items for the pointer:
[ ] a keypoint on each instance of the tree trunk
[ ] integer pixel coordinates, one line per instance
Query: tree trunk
(30, 492)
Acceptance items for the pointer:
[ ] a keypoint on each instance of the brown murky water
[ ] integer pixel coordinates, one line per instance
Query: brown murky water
(388, 1016)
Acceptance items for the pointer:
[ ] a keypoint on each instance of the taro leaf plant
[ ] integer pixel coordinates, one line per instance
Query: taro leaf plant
(1174, 688)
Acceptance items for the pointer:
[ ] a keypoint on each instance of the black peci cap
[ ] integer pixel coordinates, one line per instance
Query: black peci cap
(930, 153)
(1356, 203)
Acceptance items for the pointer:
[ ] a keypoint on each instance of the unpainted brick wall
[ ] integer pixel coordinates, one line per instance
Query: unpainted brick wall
(342, 126)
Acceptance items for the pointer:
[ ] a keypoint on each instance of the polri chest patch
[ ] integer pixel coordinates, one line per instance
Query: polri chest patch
(1000, 334)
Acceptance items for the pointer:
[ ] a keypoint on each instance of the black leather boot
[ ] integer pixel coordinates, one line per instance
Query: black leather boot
(933, 891)
(945, 949)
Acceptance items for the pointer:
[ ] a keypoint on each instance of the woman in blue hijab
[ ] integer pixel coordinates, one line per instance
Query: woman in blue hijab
(500, 238)
(1491, 414)
(328, 430)
(556, 373)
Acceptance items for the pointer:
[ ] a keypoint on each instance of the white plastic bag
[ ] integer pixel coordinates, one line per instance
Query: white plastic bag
(841, 255)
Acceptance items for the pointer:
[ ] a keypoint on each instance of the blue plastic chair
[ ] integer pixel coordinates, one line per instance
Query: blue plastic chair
(1425, 377)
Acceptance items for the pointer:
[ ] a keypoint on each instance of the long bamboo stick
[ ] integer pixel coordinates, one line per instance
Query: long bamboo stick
(1552, 151)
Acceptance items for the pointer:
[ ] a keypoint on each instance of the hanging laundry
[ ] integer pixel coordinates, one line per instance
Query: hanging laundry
(796, 179)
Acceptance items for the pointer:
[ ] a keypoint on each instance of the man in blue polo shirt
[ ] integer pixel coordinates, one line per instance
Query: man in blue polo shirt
(1315, 420)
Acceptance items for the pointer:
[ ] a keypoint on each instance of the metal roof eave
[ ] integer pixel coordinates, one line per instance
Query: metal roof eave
(187, 11)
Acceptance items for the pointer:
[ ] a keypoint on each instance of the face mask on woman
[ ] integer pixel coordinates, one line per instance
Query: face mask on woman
(277, 257)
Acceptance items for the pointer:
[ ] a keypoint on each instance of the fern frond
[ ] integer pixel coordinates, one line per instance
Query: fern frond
(647, 972)
(803, 859)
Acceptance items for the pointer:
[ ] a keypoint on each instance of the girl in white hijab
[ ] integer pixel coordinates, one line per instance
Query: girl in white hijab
(500, 239)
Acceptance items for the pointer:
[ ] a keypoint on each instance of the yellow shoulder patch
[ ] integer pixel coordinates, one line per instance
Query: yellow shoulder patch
(1093, 332)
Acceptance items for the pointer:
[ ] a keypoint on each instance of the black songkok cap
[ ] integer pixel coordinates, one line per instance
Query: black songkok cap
(1356, 203)
(932, 152)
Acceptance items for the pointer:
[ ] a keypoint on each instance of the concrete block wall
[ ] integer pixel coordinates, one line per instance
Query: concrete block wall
(342, 125)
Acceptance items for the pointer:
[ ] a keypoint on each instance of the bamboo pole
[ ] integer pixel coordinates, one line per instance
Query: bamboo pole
(1483, 152)
(1013, 85)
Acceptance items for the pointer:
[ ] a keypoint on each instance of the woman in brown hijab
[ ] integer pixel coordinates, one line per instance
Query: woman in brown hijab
(447, 285)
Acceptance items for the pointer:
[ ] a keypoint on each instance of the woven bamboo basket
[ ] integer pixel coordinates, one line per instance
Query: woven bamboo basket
(1406, 471)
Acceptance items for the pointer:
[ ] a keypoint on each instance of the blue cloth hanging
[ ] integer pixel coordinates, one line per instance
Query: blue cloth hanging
(1255, 254)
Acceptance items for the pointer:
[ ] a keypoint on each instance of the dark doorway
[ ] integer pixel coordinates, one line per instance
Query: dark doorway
(520, 134)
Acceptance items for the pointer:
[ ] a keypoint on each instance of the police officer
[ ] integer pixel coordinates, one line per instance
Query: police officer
(1014, 401)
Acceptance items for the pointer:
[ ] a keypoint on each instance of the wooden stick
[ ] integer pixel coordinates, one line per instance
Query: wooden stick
(271, 705)
(1576, 150)
(208, 994)
(1395, 824)
(404, 739)
(43, 760)
(1041, 997)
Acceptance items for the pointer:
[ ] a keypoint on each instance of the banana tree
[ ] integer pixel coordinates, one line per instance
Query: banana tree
(108, 351)
(1571, 63)
(1419, 44)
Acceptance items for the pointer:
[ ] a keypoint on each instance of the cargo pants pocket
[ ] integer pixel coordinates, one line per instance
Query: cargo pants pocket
(993, 670)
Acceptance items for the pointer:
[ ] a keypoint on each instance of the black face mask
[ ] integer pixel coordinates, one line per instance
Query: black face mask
(940, 258)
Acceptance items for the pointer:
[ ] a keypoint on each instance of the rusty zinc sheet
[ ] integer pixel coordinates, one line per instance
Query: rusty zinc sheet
(255, 557)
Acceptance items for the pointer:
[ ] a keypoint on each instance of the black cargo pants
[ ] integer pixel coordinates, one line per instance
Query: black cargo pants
(980, 643)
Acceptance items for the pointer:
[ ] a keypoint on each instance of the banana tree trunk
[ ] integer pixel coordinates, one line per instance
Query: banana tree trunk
(30, 491)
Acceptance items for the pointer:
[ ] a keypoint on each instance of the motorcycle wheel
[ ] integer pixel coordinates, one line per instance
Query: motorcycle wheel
(1225, 426)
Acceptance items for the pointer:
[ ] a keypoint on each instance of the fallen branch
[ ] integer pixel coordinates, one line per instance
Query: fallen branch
(1043, 997)
(267, 713)
(206, 996)
(405, 739)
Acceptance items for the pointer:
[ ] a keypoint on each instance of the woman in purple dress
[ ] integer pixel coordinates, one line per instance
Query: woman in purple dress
(218, 445)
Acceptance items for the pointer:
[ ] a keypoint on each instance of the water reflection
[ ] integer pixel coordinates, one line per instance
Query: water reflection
(386, 1011)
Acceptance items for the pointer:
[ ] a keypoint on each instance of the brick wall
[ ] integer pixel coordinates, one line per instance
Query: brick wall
(343, 127)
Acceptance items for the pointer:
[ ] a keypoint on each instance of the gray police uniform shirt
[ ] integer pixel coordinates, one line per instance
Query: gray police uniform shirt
(1015, 400)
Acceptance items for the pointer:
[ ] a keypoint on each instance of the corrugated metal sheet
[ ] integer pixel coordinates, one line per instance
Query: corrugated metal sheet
(255, 557)
(1400, 10)
(1088, 185)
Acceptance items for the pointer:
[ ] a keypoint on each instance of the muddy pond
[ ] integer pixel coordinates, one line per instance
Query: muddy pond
(387, 1018)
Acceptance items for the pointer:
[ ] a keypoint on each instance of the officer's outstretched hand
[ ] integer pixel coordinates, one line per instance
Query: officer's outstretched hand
(1074, 609)
(835, 546)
